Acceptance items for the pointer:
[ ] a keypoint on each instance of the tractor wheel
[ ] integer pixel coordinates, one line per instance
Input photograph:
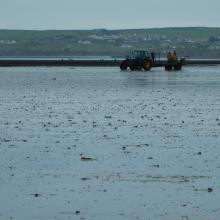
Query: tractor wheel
(124, 65)
(147, 65)
(168, 67)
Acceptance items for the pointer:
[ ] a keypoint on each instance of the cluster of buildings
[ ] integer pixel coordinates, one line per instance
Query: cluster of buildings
(8, 41)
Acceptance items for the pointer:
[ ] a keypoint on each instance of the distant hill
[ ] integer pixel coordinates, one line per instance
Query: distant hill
(197, 42)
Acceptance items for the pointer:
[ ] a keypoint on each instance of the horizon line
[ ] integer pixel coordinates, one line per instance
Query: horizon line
(107, 29)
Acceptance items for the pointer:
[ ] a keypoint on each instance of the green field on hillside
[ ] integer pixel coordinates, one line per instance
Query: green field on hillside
(191, 41)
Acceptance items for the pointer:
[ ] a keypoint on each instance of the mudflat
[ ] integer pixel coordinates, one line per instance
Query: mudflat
(98, 143)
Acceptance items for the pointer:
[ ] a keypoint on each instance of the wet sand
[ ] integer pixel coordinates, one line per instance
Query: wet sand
(97, 143)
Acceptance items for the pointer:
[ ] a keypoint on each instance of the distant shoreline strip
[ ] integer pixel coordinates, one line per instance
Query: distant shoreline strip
(91, 63)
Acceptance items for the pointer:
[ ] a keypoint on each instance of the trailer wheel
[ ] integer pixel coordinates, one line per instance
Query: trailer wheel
(178, 67)
(147, 65)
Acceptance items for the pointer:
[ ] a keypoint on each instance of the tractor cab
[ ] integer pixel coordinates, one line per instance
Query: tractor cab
(139, 55)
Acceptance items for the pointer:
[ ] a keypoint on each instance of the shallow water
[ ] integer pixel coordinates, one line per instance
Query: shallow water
(151, 139)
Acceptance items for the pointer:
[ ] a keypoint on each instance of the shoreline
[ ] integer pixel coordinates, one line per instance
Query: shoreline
(91, 62)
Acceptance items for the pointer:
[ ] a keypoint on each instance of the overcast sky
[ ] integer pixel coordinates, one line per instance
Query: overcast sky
(111, 14)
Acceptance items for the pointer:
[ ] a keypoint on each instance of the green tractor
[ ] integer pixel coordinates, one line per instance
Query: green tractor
(138, 60)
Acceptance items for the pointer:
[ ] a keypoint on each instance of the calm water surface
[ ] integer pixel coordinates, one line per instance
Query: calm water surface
(152, 140)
